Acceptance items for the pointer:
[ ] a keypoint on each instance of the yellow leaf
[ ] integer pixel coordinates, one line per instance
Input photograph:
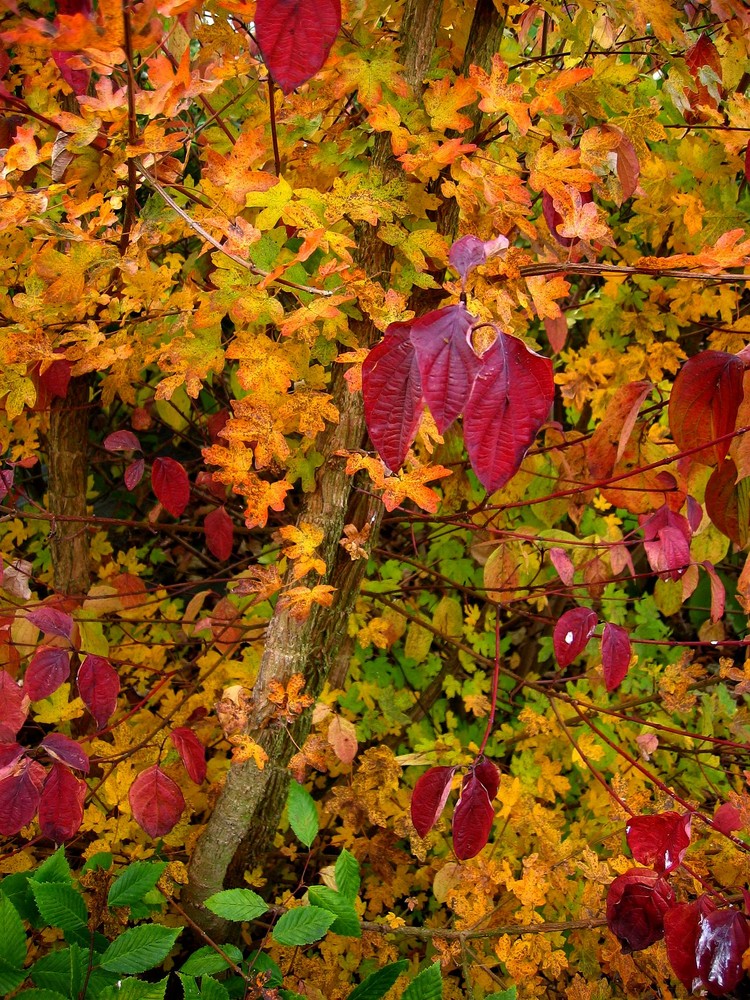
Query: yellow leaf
(411, 486)
(299, 600)
(443, 98)
(245, 749)
(500, 97)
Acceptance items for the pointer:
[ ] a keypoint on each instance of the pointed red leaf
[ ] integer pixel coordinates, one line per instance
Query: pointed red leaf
(295, 37)
(52, 622)
(636, 904)
(616, 653)
(14, 705)
(718, 592)
(99, 686)
(723, 937)
(510, 401)
(694, 514)
(667, 542)
(134, 473)
(706, 396)
(171, 485)
(219, 529)
(61, 805)
(728, 503)
(191, 751)
(156, 801)
(10, 754)
(472, 818)
(122, 441)
(6, 482)
(727, 818)
(563, 564)
(66, 750)
(660, 840)
(681, 930)
(48, 668)
(489, 774)
(19, 797)
(572, 632)
(448, 366)
(429, 797)
(392, 392)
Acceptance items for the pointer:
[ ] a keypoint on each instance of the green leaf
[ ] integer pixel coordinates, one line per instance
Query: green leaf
(378, 984)
(12, 935)
(302, 925)
(347, 921)
(211, 990)
(54, 869)
(303, 816)
(136, 989)
(139, 948)
(10, 978)
(347, 875)
(265, 965)
(509, 994)
(60, 905)
(206, 961)
(16, 888)
(36, 994)
(290, 995)
(59, 971)
(101, 860)
(137, 879)
(428, 985)
(190, 989)
(237, 904)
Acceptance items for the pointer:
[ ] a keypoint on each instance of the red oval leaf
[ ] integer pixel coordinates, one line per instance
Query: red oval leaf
(61, 805)
(429, 797)
(636, 904)
(10, 754)
(722, 939)
(703, 406)
(66, 750)
(572, 632)
(171, 485)
(728, 503)
(718, 592)
(295, 37)
(134, 473)
(667, 542)
(219, 529)
(392, 393)
(191, 751)
(659, 840)
(48, 668)
(99, 687)
(489, 774)
(727, 818)
(681, 928)
(19, 797)
(14, 705)
(472, 818)
(122, 441)
(52, 622)
(563, 564)
(511, 399)
(616, 653)
(156, 801)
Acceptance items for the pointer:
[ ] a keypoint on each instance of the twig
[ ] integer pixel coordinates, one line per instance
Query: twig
(427, 933)
(130, 202)
(652, 272)
(274, 136)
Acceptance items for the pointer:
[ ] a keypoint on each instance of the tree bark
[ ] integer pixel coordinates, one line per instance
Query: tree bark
(68, 474)
(245, 818)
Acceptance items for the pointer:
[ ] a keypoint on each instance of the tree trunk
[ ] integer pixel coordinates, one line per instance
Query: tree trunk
(68, 474)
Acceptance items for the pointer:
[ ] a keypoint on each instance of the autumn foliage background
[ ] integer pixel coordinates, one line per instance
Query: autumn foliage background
(214, 583)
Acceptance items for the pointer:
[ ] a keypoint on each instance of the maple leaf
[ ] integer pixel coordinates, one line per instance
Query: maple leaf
(545, 292)
(500, 97)
(557, 171)
(411, 486)
(548, 88)
(298, 601)
(246, 749)
(288, 698)
(355, 541)
(299, 544)
(442, 101)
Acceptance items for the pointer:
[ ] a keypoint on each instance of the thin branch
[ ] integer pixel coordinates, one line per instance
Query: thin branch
(428, 933)
(130, 201)
(666, 272)
(274, 136)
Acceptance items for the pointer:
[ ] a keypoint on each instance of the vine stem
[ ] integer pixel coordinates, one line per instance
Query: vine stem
(130, 202)
(495, 683)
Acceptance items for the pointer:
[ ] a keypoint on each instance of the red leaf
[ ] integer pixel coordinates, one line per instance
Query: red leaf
(448, 366)
(722, 939)
(572, 632)
(6, 482)
(706, 396)
(52, 622)
(563, 564)
(718, 593)
(557, 332)
(628, 167)
(61, 805)
(727, 818)
(295, 37)
(728, 503)
(56, 376)
(156, 801)
(48, 668)
(99, 686)
(191, 751)
(122, 441)
(616, 653)
(667, 542)
(489, 774)
(66, 750)
(470, 252)
(134, 473)
(659, 840)
(472, 818)
(14, 704)
(392, 392)
(10, 754)
(510, 401)
(636, 904)
(747, 162)
(77, 79)
(694, 514)
(171, 485)
(19, 797)
(681, 929)
(219, 529)
(429, 797)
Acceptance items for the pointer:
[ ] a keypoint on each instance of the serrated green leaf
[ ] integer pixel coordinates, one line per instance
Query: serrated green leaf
(137, 879)
(237, 904)
(136, 989)
(12, 935)
(303, 816)
(60, 905)
(206, 961)
(377, 985)
(347, 875)
(10, 978)
(59, 971)
(347, 921)
(139, 948)
(37, 994)
(190, 989)
(16, 888)
(303, 925)
(101, 860)
(510, 994)
(212, 990)
(428, 985)
(54, 869)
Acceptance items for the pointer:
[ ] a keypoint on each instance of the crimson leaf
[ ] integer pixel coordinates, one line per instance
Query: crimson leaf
(728, 503)
(171, 485)
(52, 622)
(13, 705)
(722, 939)
(681, 928)
(61, 804)
(472, 818)
(429, 797)
(667, 542)
(511, 399)
(572, 632)
(727, 818)
(470, 252)
(19, 797)
(134, 473)
(156, 801)
(295, 37)
(99, 686)
(66, 750)
(616, 653)
(489, 775)
(703, 406)
(48, 668)
(191, 751)
(636, 904)
(219, 529)
(659, 840)
(392, 392)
